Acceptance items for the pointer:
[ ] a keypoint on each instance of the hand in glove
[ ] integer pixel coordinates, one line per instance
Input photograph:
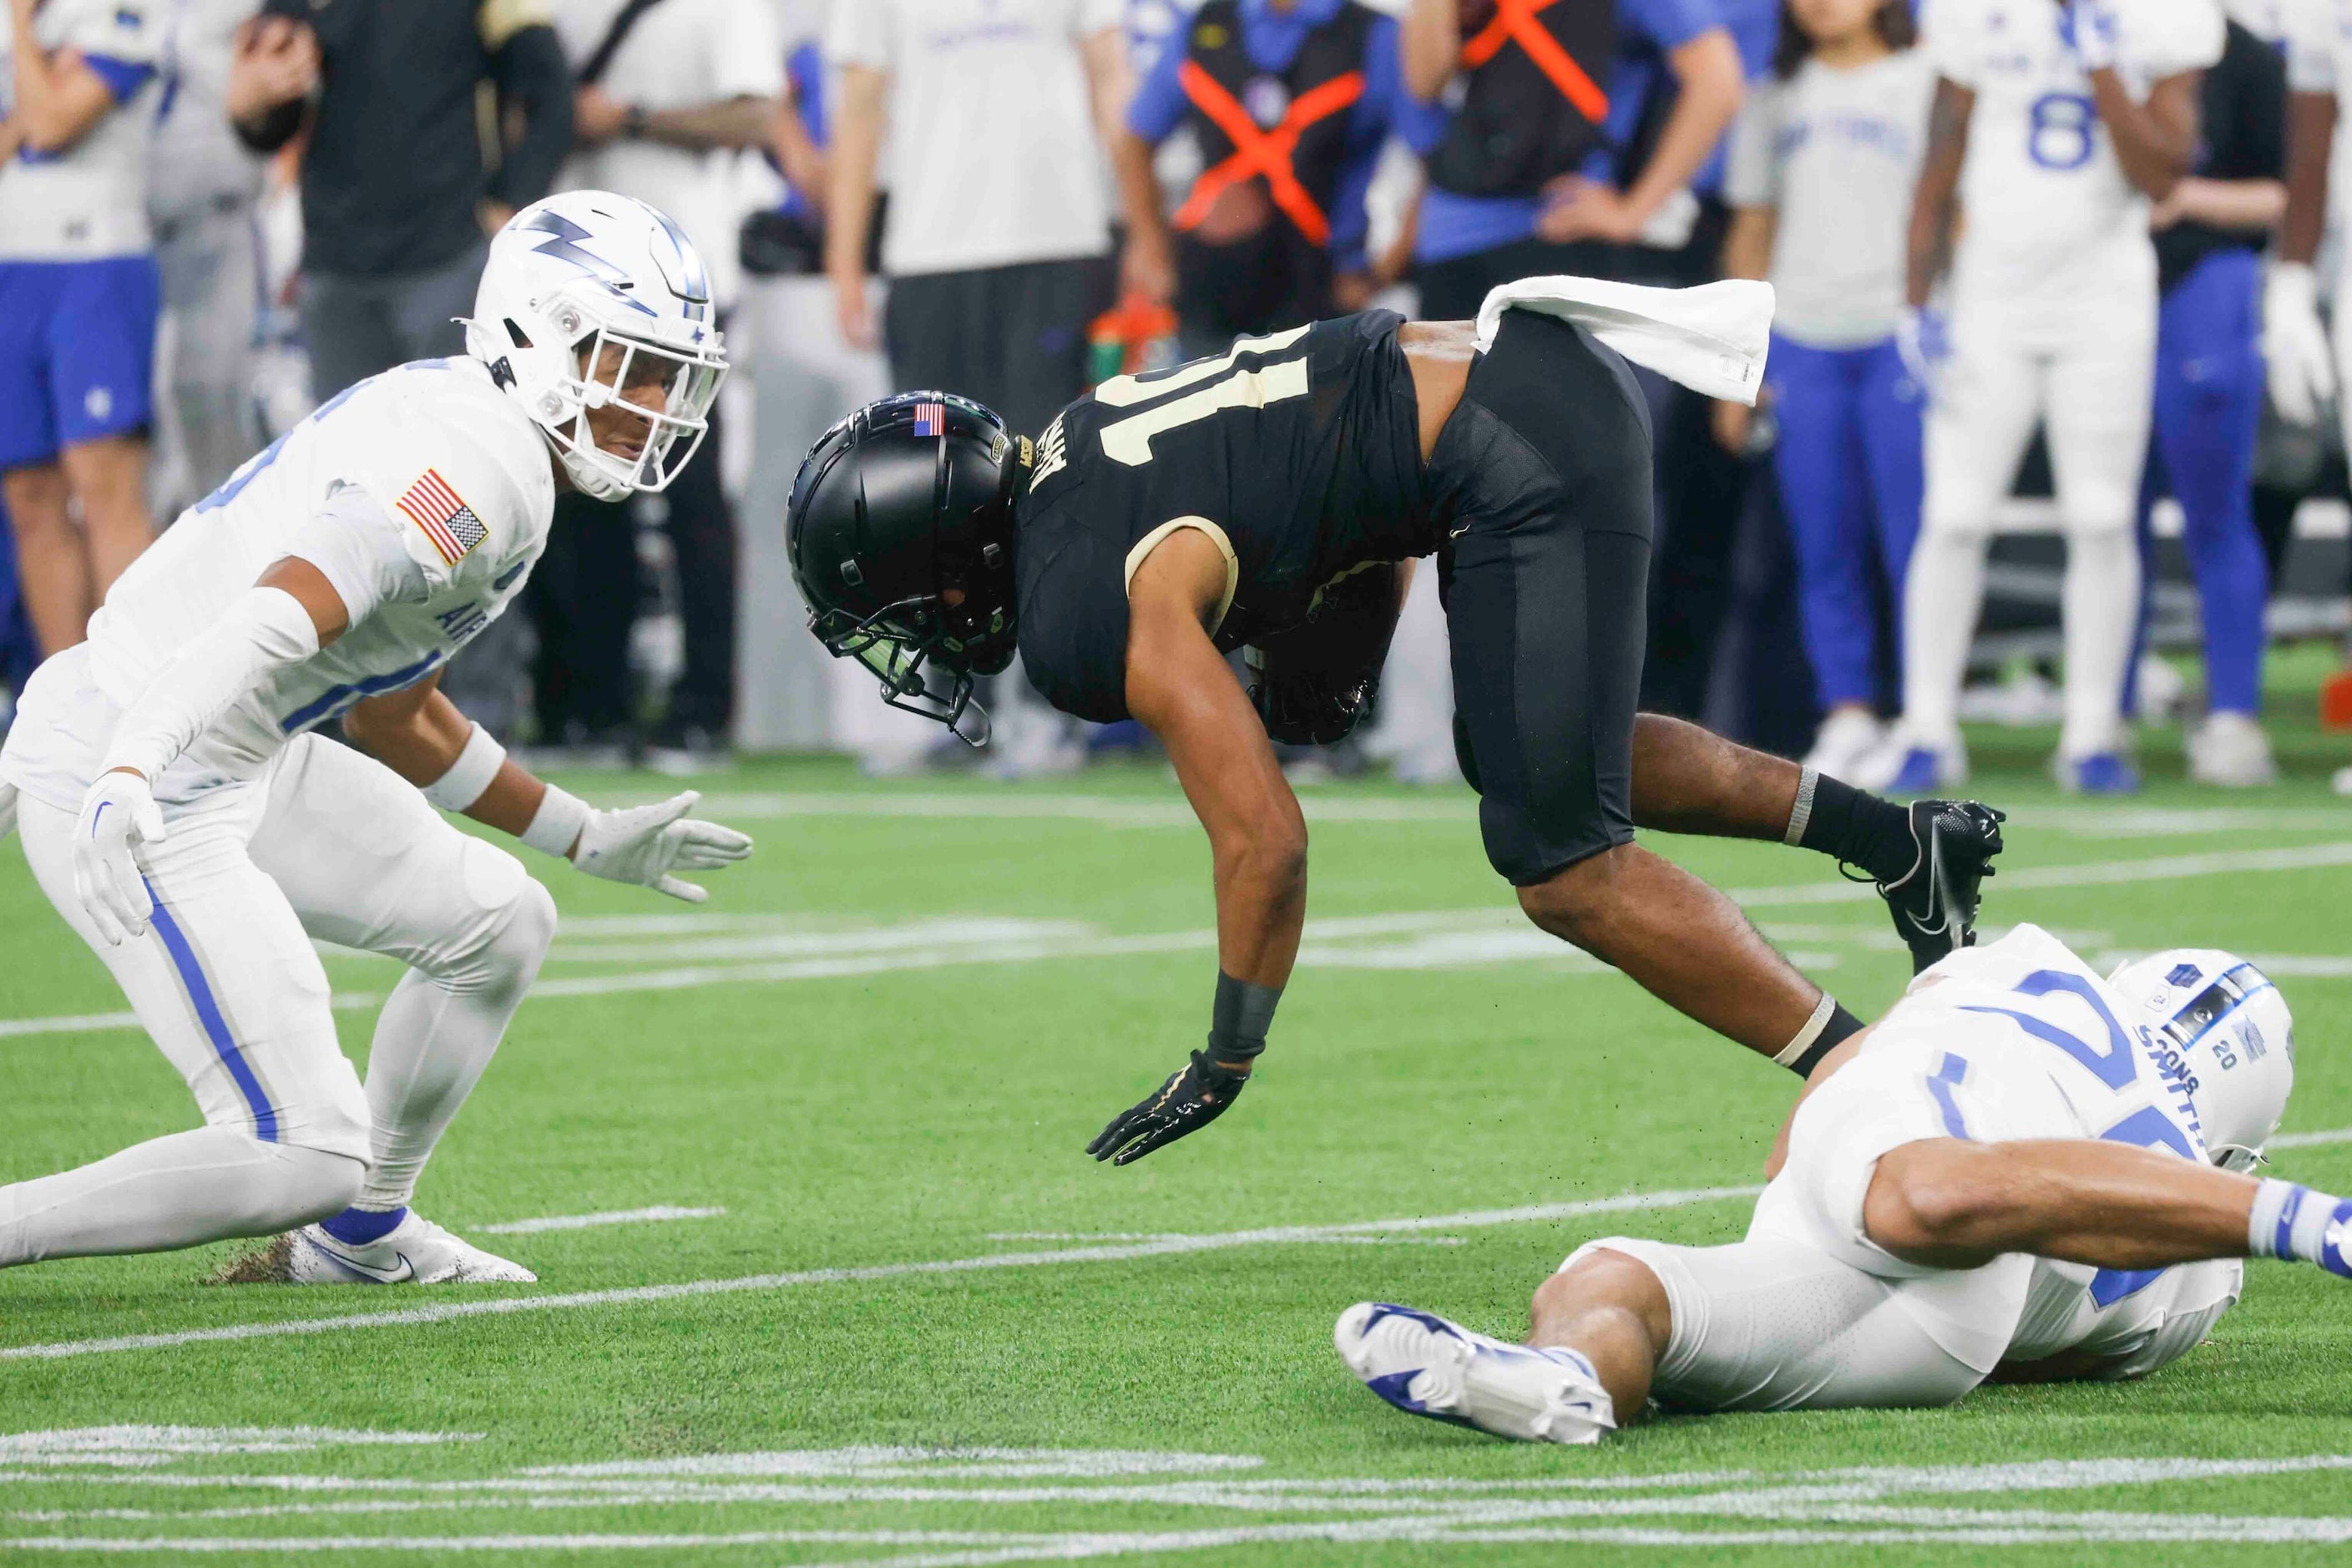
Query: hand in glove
(1193, 1096)
(2295, 344)
(645, 844)
(118, 814)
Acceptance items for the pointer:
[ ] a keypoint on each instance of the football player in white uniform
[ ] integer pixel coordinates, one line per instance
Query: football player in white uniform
(2012, 1174)
(2054, 123)
(181, 817)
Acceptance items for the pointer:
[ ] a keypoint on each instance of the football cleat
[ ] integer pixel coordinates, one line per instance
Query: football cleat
(1845, 742)
(2101, 773)
(1427, 1366)
(2230, 750)
(1934, 904)
(415, 1250)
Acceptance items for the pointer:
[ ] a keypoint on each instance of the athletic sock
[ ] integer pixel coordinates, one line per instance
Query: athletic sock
(2301, 1225)
(357, 1226)
(1849, 823)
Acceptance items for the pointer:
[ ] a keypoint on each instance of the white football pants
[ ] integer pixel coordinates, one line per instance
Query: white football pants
(329, 845)
(2088, 374)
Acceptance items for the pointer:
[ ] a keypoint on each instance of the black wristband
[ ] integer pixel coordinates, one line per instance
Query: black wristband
(1843, 1026)
(1243, 1012)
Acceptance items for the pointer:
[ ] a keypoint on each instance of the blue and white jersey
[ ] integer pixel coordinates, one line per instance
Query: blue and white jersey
(2049, 213)
(88, 200)
(2026, 1003)
(455, 491)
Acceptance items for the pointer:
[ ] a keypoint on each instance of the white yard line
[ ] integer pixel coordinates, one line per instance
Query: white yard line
(1272, 1235)
(2309, 1140)
(584, 1221)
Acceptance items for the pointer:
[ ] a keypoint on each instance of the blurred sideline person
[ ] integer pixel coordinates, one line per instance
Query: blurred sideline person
(997, 115)
(78, 298)
(1271, 499)
(2304, 368)
(2054, 127)
(2012, 1177)
(1289, 102)
(1822, 163)
(203, 186)
(1522, 145)
(666, 95)
(182, 820)
(400, 194)
(2209, 235)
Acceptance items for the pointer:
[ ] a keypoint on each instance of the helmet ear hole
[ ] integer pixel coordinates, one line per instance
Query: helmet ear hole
(522, 339)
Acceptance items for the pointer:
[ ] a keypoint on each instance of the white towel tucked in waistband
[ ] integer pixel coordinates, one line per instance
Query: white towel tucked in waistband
(1711, 338)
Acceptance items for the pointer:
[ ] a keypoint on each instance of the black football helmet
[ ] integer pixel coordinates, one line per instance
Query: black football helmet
(900, 535)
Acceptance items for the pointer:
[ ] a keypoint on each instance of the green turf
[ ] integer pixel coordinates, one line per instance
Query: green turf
(907, 1114)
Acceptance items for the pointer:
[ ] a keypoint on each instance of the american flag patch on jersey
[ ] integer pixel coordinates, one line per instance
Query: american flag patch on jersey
(444, 516)
(931, 418)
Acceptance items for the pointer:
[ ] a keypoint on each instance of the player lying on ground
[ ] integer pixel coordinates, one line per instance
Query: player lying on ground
(1272, 499)
(179, 815)
(2011, 1176)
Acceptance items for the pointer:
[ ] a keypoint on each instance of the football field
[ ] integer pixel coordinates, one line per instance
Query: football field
(824, 1277)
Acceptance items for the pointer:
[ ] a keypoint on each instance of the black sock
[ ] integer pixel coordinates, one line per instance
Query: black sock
(1843, 1026)
(1856, 826)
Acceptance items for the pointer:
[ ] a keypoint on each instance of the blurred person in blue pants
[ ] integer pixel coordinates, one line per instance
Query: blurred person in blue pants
(2209, 235)
(1822, 167)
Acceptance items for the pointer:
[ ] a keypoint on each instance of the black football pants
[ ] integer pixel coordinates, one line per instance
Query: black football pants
(1542, 475)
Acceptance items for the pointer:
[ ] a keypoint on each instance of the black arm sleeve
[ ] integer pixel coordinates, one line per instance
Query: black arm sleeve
(277, 126)
(530, 70)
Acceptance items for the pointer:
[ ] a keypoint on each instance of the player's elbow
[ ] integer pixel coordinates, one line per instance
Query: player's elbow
(1931, 1199)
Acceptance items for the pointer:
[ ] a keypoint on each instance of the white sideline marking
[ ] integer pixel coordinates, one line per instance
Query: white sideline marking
(142, 1445)
(582, 1220)
(1272, 1235)
(2309, 1140)
(1410, 955)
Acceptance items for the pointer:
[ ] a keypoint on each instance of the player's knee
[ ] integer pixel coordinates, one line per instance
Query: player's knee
(1928, 1197)
(527, 930)
(1600, 1277)
(505, 946)
(1578, 903)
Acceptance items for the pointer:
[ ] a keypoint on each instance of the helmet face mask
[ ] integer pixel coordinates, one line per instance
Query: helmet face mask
(2222, 1025)
(900, 531)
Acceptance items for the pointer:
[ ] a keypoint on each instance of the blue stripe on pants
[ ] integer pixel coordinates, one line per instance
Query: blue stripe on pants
(208, 1014)
(1949, 1074)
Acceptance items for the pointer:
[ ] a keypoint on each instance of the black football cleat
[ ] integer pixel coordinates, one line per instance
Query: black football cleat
(1934, 904)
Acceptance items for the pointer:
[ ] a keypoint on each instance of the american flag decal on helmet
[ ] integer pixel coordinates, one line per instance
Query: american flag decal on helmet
(444, 516)
(931, 418)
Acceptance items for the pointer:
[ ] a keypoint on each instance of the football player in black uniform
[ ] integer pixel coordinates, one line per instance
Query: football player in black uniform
(1272, 499)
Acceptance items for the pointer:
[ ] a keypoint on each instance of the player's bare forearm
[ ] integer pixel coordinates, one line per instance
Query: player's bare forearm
(1747, 244)
(1181, 687)
(1709, 71)
(745, 121)
(2247, 206)
(1951, 1204)
(1928, 249)
(419, 734)
(1109, 84)
(2310, 141)
(2155, 140)
(58, 96)
(1138, 191)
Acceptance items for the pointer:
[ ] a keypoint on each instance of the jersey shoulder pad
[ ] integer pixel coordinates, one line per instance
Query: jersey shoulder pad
(463, 472)
(1071, 604)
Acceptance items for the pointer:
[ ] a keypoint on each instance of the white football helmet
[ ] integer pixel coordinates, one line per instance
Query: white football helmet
(2235, 1036)
(590, 300)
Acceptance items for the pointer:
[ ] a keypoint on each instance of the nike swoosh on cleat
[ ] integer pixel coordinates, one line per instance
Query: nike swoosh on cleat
(402, 1275)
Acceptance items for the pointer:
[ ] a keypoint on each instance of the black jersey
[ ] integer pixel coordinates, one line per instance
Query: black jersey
(1302, 451)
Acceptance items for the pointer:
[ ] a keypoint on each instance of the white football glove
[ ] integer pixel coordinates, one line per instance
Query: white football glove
(645, 843)
(119, 813)
(2294, 344)
(1923, 342)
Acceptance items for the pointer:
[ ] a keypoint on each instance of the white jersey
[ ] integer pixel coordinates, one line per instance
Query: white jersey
(89, 201)
(422, 494)
(2027, 1005)
(2048, 210)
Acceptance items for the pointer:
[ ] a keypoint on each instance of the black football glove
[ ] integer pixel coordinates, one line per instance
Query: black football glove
(1193, 1096)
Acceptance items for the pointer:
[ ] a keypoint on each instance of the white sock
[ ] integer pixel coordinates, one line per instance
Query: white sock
(1940, 604)
(2290, 1221)
(172, 1191)
(2101, 607)
(433, 1040)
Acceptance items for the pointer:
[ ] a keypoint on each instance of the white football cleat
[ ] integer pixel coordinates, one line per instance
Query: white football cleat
(415, 1250)
(2230, 750)
(1427, 1366)
(1846, 739)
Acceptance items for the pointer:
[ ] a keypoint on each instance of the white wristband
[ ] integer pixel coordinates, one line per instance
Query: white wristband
(470, 774)
(555, 827)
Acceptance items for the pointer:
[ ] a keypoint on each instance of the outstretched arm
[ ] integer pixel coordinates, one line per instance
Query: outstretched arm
(1180, 685)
